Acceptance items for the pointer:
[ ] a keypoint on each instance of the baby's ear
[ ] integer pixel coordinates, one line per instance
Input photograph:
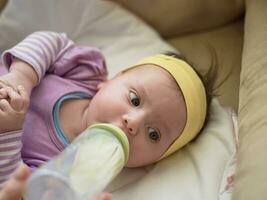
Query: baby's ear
(101, 85)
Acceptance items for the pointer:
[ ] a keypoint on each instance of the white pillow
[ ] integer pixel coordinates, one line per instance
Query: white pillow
(198, 171)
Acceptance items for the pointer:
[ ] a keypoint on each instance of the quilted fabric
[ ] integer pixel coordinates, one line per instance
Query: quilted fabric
(251, 178)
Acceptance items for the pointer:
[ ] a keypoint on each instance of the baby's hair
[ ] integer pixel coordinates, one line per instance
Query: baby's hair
(208, 79)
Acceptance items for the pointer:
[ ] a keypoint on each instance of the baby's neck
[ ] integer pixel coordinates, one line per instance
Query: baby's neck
(73, 117)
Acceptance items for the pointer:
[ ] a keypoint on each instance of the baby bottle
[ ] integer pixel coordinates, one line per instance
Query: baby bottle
(84, 168)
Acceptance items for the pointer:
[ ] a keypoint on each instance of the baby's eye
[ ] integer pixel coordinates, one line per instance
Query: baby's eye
(134, 99)
(153, 135)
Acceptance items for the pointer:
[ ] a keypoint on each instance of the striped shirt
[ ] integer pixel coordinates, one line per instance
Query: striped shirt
(10, 146)
(62, 68)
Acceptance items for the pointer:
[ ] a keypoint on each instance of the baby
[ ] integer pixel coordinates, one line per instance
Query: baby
(160, 102)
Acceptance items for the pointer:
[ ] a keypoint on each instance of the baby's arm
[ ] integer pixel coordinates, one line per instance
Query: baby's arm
(13, 107)
(20, 73)
(12, 112)
(29, 60)
(56, 54)
(10, 151)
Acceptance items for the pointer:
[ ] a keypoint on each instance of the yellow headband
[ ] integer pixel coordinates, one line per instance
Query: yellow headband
(194, 95)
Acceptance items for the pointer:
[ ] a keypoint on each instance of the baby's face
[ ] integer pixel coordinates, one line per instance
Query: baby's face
(147, 105)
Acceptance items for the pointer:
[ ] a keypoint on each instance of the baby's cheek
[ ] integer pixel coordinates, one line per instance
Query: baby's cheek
(140, 156)
(134, 155)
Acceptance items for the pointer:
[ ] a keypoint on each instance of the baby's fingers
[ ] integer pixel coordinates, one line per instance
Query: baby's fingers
(15, 187)
(3, 93)
(102, 196)
(19, 100)
(5, 106)
(16, 101)
(24, 98)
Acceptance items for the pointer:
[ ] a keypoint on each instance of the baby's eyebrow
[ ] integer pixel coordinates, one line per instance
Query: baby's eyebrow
(143, 92)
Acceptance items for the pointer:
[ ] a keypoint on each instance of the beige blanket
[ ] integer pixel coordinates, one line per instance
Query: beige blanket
(251, 177)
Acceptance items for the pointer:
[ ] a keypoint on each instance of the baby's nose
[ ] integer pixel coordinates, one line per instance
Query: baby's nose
(129, 128)
(133, 123)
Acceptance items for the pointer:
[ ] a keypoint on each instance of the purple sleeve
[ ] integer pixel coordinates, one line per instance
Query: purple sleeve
(10, 153)
(55, 53)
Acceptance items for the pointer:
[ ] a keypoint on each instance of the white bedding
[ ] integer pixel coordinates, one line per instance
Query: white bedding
(201, 170)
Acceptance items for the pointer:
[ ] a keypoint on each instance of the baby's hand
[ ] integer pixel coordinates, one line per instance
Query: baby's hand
(102, 196)
(15, 187)
(13, 107)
